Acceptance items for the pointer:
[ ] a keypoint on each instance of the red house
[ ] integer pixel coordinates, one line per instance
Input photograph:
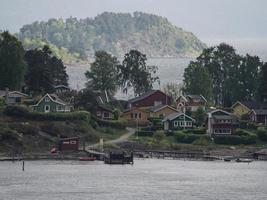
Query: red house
(103, 112)
(220, 122)
(150, 98)
(68, 144)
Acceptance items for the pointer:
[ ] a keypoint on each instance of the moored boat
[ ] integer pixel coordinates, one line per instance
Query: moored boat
(245, 160)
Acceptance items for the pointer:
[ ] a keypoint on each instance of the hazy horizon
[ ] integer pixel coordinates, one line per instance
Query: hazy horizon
(207, 19)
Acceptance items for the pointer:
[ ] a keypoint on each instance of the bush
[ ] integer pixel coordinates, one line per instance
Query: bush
(243, 124)
(235, 139)
(199, 131)
(144, 133)
(156, 123)
(159, 136)
(262, 133)
(202, 141)
(188, 138)
(242, 132)
(22, 111)
(120, 124)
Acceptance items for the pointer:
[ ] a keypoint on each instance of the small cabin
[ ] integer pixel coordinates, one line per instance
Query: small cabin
(68, 144)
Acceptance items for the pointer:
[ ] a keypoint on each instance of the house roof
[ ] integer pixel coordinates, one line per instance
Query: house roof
(145, 95)
(54, 98)
(260, 111)
(159, 107)
(105, 108)
(195, 97)
(12, 93)
(251, 104)
(61, 86)
(136, 109)
(172, 116)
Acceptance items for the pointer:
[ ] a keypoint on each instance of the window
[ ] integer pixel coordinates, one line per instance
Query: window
(60, 108)
(98, 113)
(156, 103)
(47, 108)
(181, 124)
(47, 99)
(106, 115)
(73, 142)
(139, 115)
(175, 123)
(188, 124)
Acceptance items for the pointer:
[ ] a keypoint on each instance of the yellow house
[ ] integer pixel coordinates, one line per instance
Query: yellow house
(136, 116)
(242, 108)
(161, 111)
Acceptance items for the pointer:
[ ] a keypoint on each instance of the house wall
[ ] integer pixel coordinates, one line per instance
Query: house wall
(176, 124)
(53, 107)
(163, 112)
(130, 117)
(240, 110)
(149, 101)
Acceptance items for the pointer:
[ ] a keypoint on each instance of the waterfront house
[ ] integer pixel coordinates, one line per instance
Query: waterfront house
(68, 144)
(52, 103)
(258, 116)
(103, 112)
(161, 111)
(241, 108)
(13, 97)
(61, 89)
(136, 116)
(190, 103)
(178, 121)
(150, 98)
(220, 122)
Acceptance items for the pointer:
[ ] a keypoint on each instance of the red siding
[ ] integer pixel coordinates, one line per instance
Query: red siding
(69, 144)
(149, 101)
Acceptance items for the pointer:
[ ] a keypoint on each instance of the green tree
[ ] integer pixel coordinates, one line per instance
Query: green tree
(12, 64)
(103, 75)
(173, 90)
(199, 116)
(136, 74)
(263, 83)
(45, 71)
(197, 80)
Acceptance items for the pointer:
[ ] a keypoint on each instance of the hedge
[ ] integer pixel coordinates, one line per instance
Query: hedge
(243, 124)
(144, 133)
(188, 138)
(262, 133)
(235, 139)
(198, 131)
(120, 124)
(22, 111)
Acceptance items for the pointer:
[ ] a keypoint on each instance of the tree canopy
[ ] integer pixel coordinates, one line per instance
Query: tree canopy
(12, 64)
(103, 74)
(223, 76)
(45, 71)
(135, 73)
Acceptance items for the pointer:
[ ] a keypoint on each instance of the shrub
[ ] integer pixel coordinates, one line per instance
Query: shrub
(116, 114)
(22, 111)
(144, 133)
(158, 136)
(262, 133)
(242, 132)
(120, 124)
(199, 131)
(188, 138)
(202, 141)
(235, 139)
(243, 124)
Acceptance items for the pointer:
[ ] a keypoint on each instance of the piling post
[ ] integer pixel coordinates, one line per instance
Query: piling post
(23, 165)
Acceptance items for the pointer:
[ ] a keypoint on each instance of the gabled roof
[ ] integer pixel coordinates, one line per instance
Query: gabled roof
(199, 98)
(145, 95)
(173, 116)
(13, 93)
(211, 111)
(54, 98)
(260, 111)
(160, 107)
(142, 109)
(105, 108)
(61, 86)
(183, 97)
(251, 104)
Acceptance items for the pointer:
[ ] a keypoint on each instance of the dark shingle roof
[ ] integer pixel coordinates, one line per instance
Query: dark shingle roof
(142, 96)
(254, 104)
(199, 98)
(260, 111)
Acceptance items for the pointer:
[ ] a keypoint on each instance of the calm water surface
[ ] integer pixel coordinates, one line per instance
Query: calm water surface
(146, 179)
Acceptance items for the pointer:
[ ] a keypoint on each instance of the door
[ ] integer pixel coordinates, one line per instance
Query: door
(166, 125)
(47, 108)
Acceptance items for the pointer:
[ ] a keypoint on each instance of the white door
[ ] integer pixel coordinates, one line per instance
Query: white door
(47, 108)
(166, 125)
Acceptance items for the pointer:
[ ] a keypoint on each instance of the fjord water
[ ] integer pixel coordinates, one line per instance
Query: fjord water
(146, 179)
(171, 69)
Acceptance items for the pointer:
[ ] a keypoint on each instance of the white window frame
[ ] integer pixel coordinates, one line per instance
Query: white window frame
(47, 110)
(176, 123)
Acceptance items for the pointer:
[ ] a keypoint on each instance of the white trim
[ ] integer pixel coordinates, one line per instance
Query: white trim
(165, 107)
(47, 95)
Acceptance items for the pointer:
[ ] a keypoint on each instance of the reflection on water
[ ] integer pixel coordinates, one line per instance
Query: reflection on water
(146, 179)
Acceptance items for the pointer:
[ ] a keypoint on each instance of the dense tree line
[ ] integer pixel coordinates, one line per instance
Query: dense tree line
(115, 33)
(107, 74)
(223, 76)
(35, 71)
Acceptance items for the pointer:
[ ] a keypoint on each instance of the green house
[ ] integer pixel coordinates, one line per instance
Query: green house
(178, 121)
(52, 103)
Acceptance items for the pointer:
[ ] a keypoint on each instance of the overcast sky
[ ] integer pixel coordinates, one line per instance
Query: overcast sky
(205, 18)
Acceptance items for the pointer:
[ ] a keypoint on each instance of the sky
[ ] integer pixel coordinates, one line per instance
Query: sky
(207, 19)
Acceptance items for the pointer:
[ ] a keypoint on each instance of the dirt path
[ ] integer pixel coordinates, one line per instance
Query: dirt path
(121, 139)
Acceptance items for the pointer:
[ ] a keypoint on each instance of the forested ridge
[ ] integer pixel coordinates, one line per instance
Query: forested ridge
(116, 33)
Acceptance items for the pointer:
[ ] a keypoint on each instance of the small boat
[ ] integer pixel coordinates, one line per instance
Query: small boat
(245, 160)
(87, 158)
(227, 159)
